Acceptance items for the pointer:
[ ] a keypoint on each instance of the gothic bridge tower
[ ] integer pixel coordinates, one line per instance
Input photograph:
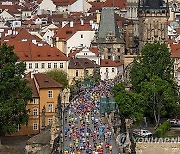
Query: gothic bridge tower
(153, 21)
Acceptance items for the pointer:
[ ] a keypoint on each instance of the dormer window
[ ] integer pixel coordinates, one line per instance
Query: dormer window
(86, 63)
(68, 32)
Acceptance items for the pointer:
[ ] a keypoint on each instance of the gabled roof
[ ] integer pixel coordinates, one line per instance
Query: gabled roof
(77, 50)
(23, 34)
(110, 63)
(32, 85)
(28, 51)
(10, 8)
(45, 81)
(66, 32)
(81, 63)
(175, 50)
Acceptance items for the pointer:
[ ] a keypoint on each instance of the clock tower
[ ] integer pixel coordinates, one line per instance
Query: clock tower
(153, 18)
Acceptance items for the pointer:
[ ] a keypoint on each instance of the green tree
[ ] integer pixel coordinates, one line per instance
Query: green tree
(59, 76)
(160, 97)
(151, 76)
(130, 105)
(154, 60)
(14, 92)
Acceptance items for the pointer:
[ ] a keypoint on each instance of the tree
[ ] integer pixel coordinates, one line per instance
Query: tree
(14, 91)
(151, 76)
(154, 60)
(160, 96)
(130, 105)
(59, 76)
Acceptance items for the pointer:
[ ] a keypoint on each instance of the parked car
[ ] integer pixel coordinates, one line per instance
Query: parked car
(175, 122)
(142, 133)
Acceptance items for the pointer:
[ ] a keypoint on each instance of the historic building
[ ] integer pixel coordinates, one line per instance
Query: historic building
(153, 21)
(109, 38)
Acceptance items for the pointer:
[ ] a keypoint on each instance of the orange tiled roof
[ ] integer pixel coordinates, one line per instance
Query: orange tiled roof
(177, 30)
(29, 22)
(45, 81)
(10, 8)
(31, 84)
(66, 32)
(175, 50)
(110, 63)
(115, 3)
(22, 34)
(27, 51)
(60, 2)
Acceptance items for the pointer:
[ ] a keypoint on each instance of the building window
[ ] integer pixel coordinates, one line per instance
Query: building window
(77, 73)
(119, 57)
(50, 107)
(50, 94)
(113, 70)
(61, 65)
(55, 65)
(35, 126)
(30, 65)
(81, 35)
(35, 112)
(49, 121)
(118, 50)
(36, 65)
(49, 65)
(86, 72)
(42, 65)
(106, 69)
(109, 49)
(109, 57)
(35, 101)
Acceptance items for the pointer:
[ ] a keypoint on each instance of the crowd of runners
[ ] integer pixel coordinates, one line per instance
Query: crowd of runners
(86, 131)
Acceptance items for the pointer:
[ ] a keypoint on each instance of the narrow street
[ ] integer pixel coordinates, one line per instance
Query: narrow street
(85, 130)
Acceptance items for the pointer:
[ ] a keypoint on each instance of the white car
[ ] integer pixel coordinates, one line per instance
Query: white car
(142, 132)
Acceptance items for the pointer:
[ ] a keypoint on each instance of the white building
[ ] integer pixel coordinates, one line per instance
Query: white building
(39, 57)
(80, 39)
(89, 53)
(110, 69)
(79, 6)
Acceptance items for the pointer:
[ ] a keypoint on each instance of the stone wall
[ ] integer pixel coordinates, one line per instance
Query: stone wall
(158, 148)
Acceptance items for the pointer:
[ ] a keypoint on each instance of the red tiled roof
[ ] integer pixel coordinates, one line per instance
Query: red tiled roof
(175, 50)
(66, 32)
(110, 63)
(22, 34)
(60, 2)
(28, 22)
(96, 6)
(31, 84)
(10, 8)
(45, 81)
(115, 3)
(177, 30)
(27, 51)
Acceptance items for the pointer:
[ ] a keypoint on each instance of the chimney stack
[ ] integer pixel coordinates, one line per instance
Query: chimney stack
(71, 23)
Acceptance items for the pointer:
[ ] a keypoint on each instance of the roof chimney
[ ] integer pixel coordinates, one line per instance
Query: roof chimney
(71, 23)
(82, 22)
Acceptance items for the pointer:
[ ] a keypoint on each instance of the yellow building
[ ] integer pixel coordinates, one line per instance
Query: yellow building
(79, 68)
(42, 107)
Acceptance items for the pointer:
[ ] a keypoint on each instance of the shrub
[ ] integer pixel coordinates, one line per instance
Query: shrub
(162, 129)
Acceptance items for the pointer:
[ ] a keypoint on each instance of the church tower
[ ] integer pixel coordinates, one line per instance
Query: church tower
(153, 21)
